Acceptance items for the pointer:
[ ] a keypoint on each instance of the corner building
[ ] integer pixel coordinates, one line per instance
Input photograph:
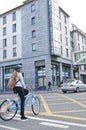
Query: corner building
(46, 57)
(43, 44)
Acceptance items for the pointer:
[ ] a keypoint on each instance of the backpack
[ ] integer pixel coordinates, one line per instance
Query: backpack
(12, 80)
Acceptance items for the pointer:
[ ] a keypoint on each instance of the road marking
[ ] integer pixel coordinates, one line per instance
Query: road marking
(9, 128)
(64, 116)
(76, 111)
(75, 101)
(49, 113)
(45, 105)
(54, 125)
(53, 121)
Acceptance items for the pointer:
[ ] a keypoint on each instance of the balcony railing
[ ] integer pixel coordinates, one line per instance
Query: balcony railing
(55, 51)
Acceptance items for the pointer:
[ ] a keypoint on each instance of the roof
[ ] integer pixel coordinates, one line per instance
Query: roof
(63, 11)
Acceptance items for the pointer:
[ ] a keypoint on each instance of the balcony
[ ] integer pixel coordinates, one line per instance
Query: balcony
(55, 51)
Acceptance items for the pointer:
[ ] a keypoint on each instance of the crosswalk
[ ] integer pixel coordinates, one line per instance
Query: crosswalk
(47, 122)
(53, 123)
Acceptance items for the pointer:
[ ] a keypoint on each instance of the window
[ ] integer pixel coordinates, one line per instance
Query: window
(59, 14)
(4, 20)
(41, 71)
(32, 7)
(60, 26)
(14, 27)
(72, 44)
(65, 30)
(66, 52)
(61, 37)
(65, 19)
(33, 33)
(14, 16)
(85, 41)
(4, 42)
(82, 47)
(33, 21)
(66, 39)
(61, 50)
(4, 31)
(82, 39)
(33, 46)
(78, 36)
(4, 53)
(14, 40)
(71, 34)
(78, 47)
(14, 52)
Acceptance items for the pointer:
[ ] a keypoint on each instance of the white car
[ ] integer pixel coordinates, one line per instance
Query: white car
(73, 85)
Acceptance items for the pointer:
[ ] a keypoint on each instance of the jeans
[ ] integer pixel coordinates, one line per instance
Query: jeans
(21, 92)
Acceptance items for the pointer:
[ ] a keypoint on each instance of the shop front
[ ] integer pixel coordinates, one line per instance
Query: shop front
(6, 73)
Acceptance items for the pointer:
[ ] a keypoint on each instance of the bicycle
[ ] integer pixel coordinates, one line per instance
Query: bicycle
(10, 106)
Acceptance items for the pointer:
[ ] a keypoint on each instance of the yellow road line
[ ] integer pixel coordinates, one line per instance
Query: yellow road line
(66, 117)
(69, 111)
(45, 105)
(79, 103)
(59, 116)
(49, 113)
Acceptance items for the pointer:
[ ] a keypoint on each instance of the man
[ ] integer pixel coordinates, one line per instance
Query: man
(20, 88)
(49, 86)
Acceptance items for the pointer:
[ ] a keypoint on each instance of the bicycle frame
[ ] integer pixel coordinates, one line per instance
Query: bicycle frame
(10, 106)
(30, 99)
(27, 100)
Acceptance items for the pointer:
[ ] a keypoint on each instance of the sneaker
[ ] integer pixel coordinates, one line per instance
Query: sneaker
(24, 118)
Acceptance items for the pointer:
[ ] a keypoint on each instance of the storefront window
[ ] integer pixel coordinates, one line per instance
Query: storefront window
(41, 77)
(41, 71)
(65, 72)
(7, 71)
(56, 75)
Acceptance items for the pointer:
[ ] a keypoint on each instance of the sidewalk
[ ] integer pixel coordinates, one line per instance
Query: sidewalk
(54, 89)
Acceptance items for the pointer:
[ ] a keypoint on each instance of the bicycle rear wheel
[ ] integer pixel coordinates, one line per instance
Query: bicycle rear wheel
(8, 110)
(35, 105)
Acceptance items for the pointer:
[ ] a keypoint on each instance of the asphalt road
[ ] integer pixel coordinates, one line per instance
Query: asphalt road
(58, 111)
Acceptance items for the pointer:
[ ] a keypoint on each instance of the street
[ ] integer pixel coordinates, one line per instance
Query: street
(58, 111)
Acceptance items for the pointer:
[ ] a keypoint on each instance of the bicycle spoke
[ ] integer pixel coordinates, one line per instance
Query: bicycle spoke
(8, 110)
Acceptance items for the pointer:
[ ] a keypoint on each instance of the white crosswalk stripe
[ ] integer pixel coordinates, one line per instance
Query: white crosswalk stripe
(54, 125)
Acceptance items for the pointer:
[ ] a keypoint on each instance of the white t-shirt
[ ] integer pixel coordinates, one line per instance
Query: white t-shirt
(20, 80)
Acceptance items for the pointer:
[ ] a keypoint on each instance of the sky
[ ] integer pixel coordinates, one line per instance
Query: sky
(76, 9)
(6, 5)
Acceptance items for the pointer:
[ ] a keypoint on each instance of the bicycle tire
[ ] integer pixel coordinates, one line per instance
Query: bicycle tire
(6, 110)
(35, 105)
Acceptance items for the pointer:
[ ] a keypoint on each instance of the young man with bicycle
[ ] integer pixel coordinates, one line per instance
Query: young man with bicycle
(21, 89)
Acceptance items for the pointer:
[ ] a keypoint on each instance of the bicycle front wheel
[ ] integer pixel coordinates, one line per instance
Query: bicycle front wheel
(35, 105)
(8, 110)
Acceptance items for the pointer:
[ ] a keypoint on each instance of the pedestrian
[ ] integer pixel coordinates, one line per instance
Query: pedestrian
(21, 89)
(49, 86)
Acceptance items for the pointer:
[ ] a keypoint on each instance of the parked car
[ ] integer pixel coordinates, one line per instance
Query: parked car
(73, 85)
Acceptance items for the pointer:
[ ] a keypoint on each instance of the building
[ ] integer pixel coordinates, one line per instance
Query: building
(37, 36)
(78, 43)
(65, 59)
(43, 60)
(41, 39)
(10, 44)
